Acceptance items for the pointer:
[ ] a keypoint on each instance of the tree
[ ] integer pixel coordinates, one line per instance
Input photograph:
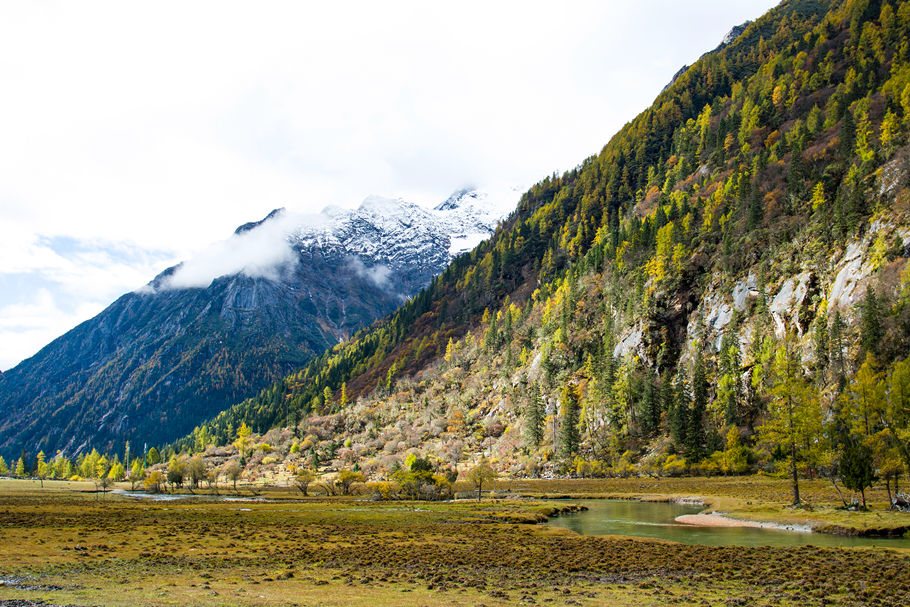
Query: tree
(153, 482)
(793, 421)
(176, 472)
(196, 470)
(201, 438)
(870, 327)
(346, 478)
(137, 474)
(856, 467)
(533, 418)
(116, 472)
(242, 441)
(232, 471)
(303, 478)
(153, 457)
(20, 468)
(43, 468)
(730, 385)
(895, 415)
(676, 397)
(695, 429)
(480, 475)
(863, 399)
(4, 469)
(568, 429)
(818, 196)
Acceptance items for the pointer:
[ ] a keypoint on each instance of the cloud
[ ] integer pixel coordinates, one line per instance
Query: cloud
(48, 285)
(27, 326)
(261, 252)
(379, 274)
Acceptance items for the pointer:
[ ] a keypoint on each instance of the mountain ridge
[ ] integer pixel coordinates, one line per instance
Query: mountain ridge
(160, 359)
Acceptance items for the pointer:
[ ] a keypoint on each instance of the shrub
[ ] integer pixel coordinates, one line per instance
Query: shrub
(674, 465)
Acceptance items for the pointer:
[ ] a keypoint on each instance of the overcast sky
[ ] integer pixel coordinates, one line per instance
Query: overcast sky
(134, 135)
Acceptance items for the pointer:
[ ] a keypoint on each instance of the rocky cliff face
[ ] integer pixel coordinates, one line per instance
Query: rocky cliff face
(157, 361)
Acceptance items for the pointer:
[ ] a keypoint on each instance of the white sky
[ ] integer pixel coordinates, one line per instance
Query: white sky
(133, 135)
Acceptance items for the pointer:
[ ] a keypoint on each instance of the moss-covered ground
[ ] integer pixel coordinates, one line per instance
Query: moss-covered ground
(66, 547)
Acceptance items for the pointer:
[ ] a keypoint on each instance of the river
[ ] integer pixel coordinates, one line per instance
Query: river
(656, 520)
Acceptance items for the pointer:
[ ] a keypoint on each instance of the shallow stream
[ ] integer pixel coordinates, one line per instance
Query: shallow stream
(656, 520)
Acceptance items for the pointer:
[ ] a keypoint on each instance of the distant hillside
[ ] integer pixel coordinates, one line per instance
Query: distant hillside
(738, 251)
(157, 362)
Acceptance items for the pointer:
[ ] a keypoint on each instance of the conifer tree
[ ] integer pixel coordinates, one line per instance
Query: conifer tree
(794, 415)
(870, 323)
(20, 468)
(4, 468)
(695, 428)
(533, 433)
(679, 410)
(729, 385)
(568, 429)
(856, 467)
(153, 457)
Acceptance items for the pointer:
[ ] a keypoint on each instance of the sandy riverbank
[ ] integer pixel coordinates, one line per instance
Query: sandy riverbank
(719, 520)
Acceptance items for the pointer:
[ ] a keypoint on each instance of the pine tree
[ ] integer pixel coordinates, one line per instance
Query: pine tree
(856, 469)
(4, 469)
(729, 386)
(870, 323)
(153, 457)
(678, 410)
(20, 467)
(695, 428)
(568, 429)
(533, 418)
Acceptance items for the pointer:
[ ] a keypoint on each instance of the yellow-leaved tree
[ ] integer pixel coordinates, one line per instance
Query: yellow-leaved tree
(794, 419)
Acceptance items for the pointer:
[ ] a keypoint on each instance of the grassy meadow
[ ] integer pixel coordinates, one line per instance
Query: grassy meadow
(65, 545)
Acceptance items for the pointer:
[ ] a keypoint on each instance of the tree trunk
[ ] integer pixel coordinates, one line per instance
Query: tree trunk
(862, 492)
(834, 482)
(793, 475)
(888, 487)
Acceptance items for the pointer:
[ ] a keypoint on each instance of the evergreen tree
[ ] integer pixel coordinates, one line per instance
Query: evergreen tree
(870, 328)
(856, 470)
(20, 467)
(678, 410)
(4, 468)
(730, 385)
(153, 457)
(533, 418)
(568, 429)
(695, 429)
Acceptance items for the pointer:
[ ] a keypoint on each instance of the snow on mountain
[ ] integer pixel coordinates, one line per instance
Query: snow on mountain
(384, 229)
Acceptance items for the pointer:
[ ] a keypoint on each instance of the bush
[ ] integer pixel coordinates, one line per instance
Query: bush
(384, 490)
(674, 465)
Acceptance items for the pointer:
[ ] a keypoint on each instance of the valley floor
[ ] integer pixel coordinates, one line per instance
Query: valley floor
(65, 546)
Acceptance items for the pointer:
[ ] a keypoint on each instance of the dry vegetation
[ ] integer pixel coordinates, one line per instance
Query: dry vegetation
(67, 547)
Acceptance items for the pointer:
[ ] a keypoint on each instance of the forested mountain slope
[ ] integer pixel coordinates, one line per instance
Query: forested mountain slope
(158, 361)
(734, 257)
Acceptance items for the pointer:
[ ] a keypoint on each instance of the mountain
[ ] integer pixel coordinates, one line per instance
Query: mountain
(216, 329)
(737, 252)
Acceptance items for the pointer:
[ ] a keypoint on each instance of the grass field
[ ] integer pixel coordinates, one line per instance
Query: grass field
(68, 547)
